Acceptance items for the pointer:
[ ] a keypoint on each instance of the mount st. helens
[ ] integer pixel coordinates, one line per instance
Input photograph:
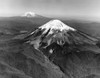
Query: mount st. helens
(56, 39)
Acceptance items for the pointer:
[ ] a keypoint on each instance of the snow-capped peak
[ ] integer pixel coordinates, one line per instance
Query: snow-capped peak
(53, 31)
(56, 25)
(30, 14)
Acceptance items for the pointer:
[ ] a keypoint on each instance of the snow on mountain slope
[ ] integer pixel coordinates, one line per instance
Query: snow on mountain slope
(56, 25)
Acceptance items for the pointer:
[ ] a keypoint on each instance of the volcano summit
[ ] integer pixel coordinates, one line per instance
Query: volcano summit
(57, 38)
(56, 25)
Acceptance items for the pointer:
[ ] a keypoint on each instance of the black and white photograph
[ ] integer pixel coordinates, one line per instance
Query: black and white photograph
(49, 38)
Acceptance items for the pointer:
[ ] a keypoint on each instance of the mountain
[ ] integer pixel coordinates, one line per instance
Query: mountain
(55, 36)
(31, 14)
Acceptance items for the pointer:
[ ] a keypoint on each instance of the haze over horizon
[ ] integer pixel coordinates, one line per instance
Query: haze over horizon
(51, 8)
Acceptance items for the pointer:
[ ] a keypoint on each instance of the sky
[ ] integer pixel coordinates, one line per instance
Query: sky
(51, 8)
